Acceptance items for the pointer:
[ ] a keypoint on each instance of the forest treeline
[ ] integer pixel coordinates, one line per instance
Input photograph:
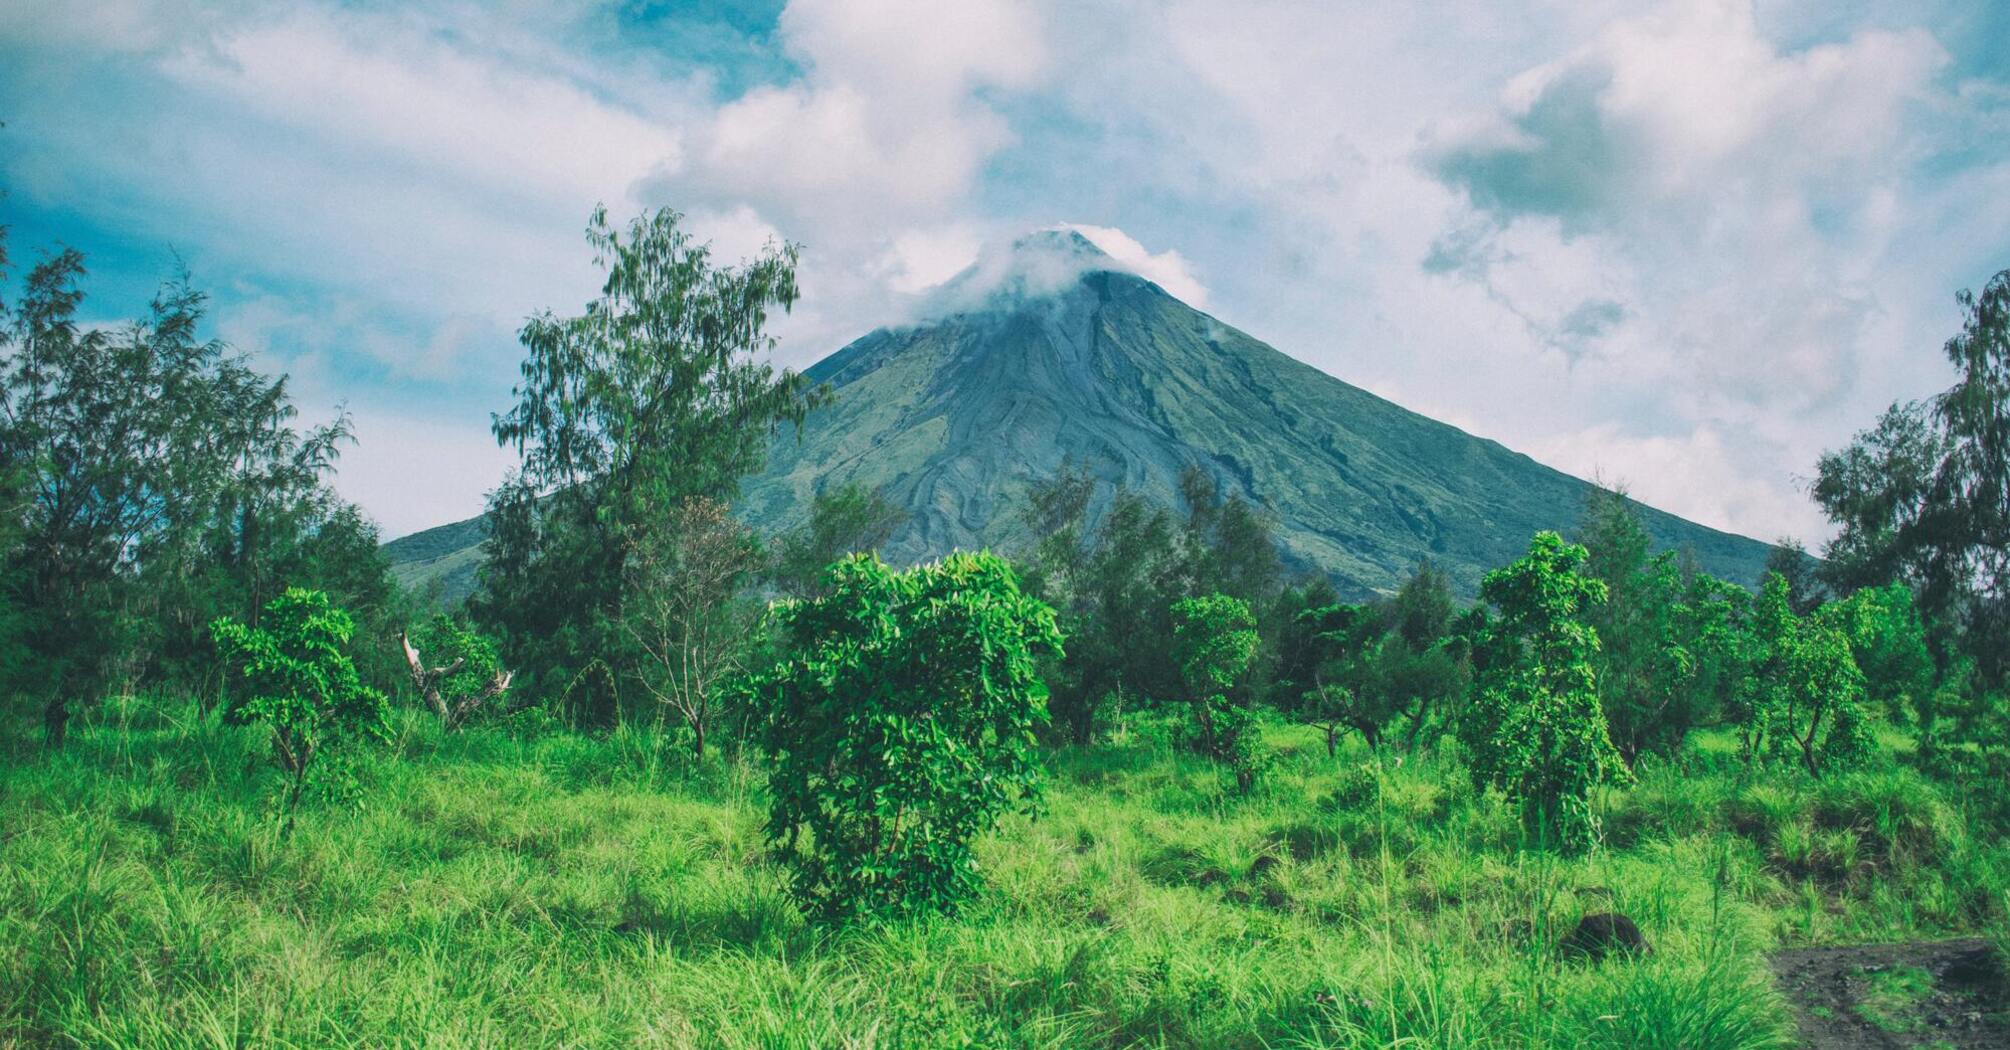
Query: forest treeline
(169, 527)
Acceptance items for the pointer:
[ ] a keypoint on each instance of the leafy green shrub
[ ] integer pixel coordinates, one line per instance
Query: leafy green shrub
(1214, 639)
(1534, 728)
(1889, 643)
(901, 727)
(299, 681)
(1805, 697)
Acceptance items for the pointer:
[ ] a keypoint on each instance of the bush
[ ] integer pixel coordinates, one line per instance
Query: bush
(1535, 729)
(901, 724)
(1805, 698)
(300, 683)
(1214, 639)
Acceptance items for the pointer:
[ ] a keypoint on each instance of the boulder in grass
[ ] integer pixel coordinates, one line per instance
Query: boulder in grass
(1603, 934)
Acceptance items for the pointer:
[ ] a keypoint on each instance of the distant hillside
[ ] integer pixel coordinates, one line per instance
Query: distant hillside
(445, 554)
(1061, 357)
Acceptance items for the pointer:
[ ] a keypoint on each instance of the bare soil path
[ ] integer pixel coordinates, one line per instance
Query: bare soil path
(1924, 995)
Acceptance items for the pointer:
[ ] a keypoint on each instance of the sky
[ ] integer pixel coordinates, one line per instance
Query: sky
(1683, 247)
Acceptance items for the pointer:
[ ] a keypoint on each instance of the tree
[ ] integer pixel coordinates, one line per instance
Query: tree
(299, 682)
(1805, 590)
(1116, 575)
(1888, 642)
(1416, 683)
(1425, 664)
(1923, 498)
(846, 519)
(684, 576)
(1214, 639)
(1645, 671)
(1114, 585)
(900, 727)
(1804, 697)
(469, 681)
(1321, 653)
(1714, 625)
(160, 473)
(655, 395)
(1228, 543)
(1534, 728)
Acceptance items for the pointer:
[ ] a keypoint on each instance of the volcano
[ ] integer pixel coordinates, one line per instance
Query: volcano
(1053, 354)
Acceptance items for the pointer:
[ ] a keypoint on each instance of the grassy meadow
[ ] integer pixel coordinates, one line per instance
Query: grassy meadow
(522, 885)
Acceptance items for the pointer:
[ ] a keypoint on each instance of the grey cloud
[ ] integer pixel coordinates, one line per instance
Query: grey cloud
(1585, 325)
(1561, 158)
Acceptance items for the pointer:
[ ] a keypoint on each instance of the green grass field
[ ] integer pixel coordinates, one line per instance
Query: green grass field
(512, 888)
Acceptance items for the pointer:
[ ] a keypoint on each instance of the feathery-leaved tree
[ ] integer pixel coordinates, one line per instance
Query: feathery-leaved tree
(1923, 498)
(844, 520)
(160, 482)
(656, 394)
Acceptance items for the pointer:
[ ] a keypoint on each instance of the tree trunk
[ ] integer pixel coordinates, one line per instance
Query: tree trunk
(56, 721)
(1332, 741)
(698, 738)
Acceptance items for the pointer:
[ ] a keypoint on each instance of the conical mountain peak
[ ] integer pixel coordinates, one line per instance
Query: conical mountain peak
(1065, 241)
(1035, 266)
(1050, 351)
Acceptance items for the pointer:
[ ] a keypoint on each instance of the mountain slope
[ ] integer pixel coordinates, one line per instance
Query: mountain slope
(1057, 356)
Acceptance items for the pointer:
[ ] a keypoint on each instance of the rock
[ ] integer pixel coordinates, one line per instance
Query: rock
(1602, 934)
(1263, 866)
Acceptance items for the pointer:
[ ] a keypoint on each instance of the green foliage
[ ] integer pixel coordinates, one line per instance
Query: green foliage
(1888, 641)
(1371, 668)
(900, 728)
(1228, 542)
(1214, 639)
(655, 395)
(457, 670)
(161, 483)
(451, 642)
(1713, 622)
(1115, 583)
(1648, 647)
(1534, 728)
(1919, 500)
(622, 901)
(296, 679)
(1323, 662)
(1806, 591)
(1804, 700)
(844, 519)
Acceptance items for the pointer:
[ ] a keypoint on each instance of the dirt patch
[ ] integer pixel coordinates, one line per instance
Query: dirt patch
(1942, 995)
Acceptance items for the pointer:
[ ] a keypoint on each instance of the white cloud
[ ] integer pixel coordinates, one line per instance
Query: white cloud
(920, 259)
(414, 471)
(1654, 241)
(397, 93)
(885, 127)
(1700, 472)
(1168, 269)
